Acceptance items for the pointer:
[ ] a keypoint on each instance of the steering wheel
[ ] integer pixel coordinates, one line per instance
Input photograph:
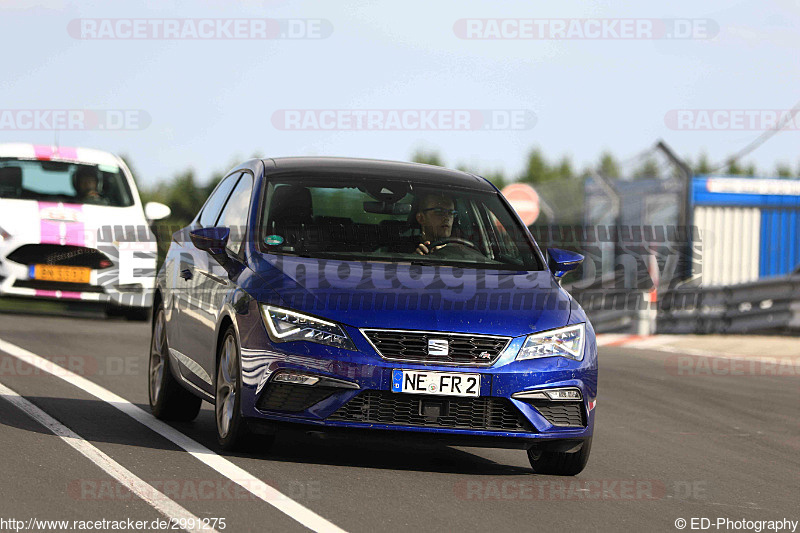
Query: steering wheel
(452, 240)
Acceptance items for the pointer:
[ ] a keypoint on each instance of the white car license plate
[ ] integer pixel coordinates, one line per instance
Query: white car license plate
(439, 383)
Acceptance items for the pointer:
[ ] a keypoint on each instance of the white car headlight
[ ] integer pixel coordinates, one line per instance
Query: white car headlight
(562, 342)
(285, 325)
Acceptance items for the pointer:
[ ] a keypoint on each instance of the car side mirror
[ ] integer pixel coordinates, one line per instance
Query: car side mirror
(214, 241)
(156, 211)
(562, 261)
(211, 240)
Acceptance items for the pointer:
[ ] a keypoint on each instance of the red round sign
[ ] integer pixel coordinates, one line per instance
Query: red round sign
(525, 201)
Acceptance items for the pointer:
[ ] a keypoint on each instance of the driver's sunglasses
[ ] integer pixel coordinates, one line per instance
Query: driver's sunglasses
(442, 212)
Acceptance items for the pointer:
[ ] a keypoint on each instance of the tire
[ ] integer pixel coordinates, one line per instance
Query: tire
(560, 463)
(168, 399)
(232, 430)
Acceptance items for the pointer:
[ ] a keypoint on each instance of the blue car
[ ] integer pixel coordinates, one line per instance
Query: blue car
(349, 297)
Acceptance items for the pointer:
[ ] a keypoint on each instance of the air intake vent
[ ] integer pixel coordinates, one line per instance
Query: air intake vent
(292, 398)
(561, 414)
(384, 407)
(54, 254)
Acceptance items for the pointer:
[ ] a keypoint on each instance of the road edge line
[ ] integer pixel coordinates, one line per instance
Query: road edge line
(149, 494)
(238, 475)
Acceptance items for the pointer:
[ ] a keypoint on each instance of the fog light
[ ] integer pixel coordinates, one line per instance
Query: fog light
(296, 379)
(564, 394)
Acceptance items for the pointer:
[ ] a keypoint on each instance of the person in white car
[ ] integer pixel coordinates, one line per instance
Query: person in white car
(85, 182)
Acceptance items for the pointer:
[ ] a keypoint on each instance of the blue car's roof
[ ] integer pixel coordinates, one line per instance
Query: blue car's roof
(375, 167)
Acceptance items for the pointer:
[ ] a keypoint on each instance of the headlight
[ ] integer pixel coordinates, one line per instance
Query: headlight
(284, 325)
(562, 342)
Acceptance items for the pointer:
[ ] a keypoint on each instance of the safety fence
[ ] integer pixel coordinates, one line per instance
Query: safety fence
(770, 305)
(767, 306)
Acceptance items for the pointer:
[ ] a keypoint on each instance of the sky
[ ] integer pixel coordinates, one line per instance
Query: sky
(211, 103)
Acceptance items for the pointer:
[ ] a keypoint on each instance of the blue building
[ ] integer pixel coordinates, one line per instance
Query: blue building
(750, 227)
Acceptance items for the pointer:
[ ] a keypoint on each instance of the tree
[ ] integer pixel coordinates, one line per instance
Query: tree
(609, 166)
(564, 169)
(702, 166)
(497, 178)
(783, 170)
(537, 170)
(734, 168)
(428, 157)
(648, 169)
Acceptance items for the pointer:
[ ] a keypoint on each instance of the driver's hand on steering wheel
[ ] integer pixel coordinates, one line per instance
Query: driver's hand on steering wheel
(422, 249)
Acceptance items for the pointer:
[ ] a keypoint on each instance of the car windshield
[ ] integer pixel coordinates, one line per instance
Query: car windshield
(59, 181)
(384, 220)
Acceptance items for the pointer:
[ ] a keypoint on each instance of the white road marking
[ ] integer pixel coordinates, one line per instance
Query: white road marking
(605, 339)
(651, 342)
(154, 498)
(632, 341)
(238, 475)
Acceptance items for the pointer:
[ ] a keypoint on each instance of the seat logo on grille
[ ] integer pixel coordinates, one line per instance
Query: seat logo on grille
(438, 347)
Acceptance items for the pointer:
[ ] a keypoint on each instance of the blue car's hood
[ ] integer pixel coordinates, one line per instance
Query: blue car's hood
(403, 296)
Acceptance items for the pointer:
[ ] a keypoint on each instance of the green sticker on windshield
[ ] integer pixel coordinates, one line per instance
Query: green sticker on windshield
(273, 240)
(108, 168)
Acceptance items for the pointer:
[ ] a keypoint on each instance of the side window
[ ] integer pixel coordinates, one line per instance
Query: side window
(234, 215)
(505, 241)
(217, 199)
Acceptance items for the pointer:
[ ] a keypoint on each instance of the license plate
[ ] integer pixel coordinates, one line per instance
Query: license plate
(65, 274)
(439, 383)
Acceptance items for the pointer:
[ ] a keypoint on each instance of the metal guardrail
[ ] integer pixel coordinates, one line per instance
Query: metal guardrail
(767, 306)
(617, 310)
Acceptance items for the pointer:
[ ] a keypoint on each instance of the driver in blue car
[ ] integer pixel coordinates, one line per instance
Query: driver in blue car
(435, 216)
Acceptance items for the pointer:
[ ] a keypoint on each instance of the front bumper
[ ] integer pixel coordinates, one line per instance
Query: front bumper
(128, 282)
(372, 405)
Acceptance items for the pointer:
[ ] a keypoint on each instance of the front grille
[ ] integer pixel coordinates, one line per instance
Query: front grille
(57, 286)
(412, 346)
(384, 407)
(292, 398)
(562, 414)
(55, 254)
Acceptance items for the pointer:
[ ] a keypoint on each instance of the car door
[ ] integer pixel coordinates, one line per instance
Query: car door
(214, 281)
(186, 303)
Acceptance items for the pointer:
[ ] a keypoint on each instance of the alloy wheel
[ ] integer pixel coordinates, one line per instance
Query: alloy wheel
(158, 357)
(226, 386)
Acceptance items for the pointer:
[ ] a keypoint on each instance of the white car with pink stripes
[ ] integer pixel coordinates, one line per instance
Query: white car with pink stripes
(72, 227)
